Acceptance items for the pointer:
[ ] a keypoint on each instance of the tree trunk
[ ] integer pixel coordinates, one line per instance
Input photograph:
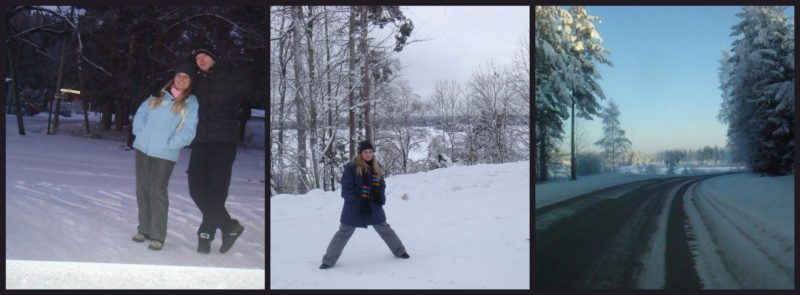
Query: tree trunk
(543, 159)
(312, 104)
(58, 87)
(84, 99)
(281, 110)
(301, 112)
(572, 146)
(365, 74)
(613, 156)
(351, 116)
(329, 148)
(13, 65)
(108, 109)
(118, 102)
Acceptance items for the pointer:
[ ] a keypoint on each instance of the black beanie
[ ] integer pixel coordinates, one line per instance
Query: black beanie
(187, 68)
(365, 145)
(206, 51)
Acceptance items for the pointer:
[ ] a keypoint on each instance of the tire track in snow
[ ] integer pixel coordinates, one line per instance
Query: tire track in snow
(733, 264)
(716, 269)
(776, 237)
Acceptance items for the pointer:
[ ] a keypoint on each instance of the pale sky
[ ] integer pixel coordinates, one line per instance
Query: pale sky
(461, 39)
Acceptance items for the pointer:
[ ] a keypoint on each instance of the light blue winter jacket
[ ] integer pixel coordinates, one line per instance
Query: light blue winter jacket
(157, 130)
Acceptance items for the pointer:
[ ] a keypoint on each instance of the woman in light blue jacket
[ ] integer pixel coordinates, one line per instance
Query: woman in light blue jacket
(163, 126)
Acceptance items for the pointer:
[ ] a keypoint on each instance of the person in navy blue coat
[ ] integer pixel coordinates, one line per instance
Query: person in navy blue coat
(364, 194)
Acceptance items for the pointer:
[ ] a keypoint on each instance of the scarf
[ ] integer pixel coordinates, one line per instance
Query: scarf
(370, 191)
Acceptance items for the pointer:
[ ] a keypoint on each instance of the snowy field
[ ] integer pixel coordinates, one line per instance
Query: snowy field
(562, 188)
(464, 228)
(73, 199)
(744, 226)
(555, 191)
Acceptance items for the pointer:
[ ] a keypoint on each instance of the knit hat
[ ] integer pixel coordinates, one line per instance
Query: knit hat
(206, 51)
(187, 68)
(365, 145)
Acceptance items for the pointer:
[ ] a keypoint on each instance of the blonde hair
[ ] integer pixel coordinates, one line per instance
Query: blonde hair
(361, 166)
(180, 101)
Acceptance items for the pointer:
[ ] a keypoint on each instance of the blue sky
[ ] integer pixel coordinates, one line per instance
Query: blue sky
(665, 74)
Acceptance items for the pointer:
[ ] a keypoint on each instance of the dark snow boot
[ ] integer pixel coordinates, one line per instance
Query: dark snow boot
(204, 243)
(405, 256)
(229, 238)
(324, 266)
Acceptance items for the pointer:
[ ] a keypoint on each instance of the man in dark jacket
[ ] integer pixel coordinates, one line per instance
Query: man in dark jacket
(214, 149)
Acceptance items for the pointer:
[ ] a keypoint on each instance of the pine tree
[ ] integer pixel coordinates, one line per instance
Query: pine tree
(614, 143)
(758, 90)
(586, 51)
(552, 81)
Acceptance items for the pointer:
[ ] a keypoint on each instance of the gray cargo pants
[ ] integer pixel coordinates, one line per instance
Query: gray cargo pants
(152, 178)
(345, 232)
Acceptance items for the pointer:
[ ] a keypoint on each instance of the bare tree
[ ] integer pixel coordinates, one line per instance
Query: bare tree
(400, 135)
(492, 95)
(446, 98)
(301, 113)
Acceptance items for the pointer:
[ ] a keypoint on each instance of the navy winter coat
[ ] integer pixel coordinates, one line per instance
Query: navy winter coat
(351, 186)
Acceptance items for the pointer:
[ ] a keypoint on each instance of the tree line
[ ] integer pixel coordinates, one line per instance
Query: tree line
(118, 55)
(335, 84)
(757, 83)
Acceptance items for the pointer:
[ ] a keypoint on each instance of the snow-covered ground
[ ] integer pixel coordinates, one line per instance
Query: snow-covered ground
(73, 199)
(29, 274)
(744, 226)
(562, 189)
(464, 228)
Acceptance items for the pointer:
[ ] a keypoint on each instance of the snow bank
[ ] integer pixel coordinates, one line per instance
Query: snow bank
(555, 191)
(744, 230)
(27, 274)
(769, 199)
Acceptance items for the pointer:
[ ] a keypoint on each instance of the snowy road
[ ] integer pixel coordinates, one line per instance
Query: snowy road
(674, 233)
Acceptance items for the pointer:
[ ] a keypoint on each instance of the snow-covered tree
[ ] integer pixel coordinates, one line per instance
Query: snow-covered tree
(489, 91)
(614, 143)
(586, 51)
(399, 135)
(758, 90)
(567, 50)
(445, 101)
(327, 71)
(553, 91)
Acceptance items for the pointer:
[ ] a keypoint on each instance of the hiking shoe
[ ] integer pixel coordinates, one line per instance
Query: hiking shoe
(140, 237)
(324, 266)
(204, 243)
(229, 238)
(405, 256)
(155, 245)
